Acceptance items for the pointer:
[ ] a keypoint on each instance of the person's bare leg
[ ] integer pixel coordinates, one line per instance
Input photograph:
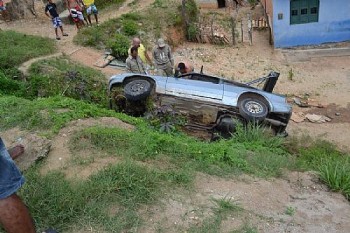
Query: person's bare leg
(96, 18)
(89, 19)
(16, 151)
(14, 216)
(56, 32)
(63, 34)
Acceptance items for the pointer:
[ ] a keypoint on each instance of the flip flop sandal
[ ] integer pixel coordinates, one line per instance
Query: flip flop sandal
(65, 34)
(58, 38)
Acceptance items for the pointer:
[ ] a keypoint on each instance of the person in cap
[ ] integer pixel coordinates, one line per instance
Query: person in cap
(183, 68)
(163, 58)
(134, 63)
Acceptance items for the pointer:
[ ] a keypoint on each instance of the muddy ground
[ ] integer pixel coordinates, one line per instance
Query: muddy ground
(325, 80)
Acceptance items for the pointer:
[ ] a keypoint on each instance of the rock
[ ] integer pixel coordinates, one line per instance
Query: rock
(337, 113)
(300, 103)
(35, 148)
(317, 118)
(297, 117)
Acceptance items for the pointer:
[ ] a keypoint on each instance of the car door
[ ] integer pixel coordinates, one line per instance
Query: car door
(195, 86)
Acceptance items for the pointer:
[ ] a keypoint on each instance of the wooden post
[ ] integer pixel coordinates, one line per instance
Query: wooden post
(233, 25)
(242, 31)
(211, 26)
(250, 31)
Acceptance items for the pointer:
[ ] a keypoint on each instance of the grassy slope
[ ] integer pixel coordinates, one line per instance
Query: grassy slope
(17, 48)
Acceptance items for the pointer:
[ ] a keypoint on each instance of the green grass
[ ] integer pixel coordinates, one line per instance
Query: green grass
(290, 211)
(223, 208)
(323, 157)
(147, 144)
(55, 202)
(336, 175)
(17, 48)
(101, 4)
(50, 114)
(109, 200)
(61, 76)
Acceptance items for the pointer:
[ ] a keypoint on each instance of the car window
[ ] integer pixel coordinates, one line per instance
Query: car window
(201, 77)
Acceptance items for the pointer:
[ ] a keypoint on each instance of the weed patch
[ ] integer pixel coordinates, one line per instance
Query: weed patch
(323, 157)
(60, 76)
(336, 175)
(222, 209)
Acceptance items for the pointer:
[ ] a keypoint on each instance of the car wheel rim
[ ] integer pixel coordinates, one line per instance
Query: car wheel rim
(137, 87)
(254, 107)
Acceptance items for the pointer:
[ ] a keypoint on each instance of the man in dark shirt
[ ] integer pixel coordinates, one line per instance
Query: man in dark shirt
(56, 21)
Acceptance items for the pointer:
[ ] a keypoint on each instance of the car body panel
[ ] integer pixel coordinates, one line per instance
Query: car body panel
(187, 87)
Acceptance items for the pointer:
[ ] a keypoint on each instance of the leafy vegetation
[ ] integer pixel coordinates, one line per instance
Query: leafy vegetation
(119, 46)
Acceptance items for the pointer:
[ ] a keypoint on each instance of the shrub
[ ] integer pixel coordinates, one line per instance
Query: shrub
(59, 76)
(130, 28)
(192, 32)
(10, 86)
(119, 46)
(132, 16)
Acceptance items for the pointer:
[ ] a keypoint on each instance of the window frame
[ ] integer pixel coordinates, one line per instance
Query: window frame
(304, 11)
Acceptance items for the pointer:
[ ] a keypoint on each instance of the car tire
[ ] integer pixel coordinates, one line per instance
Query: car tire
(137, 90)
(253, 110)
(226, 126)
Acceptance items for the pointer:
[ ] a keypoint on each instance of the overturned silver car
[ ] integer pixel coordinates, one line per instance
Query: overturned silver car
(210, 103)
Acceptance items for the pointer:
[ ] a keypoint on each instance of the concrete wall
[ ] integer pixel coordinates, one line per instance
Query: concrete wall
(333, 24)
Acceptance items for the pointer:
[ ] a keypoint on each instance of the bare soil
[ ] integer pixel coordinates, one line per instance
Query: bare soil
(325, 79)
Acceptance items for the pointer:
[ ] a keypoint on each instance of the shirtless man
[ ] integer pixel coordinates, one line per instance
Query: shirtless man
(75, 8)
